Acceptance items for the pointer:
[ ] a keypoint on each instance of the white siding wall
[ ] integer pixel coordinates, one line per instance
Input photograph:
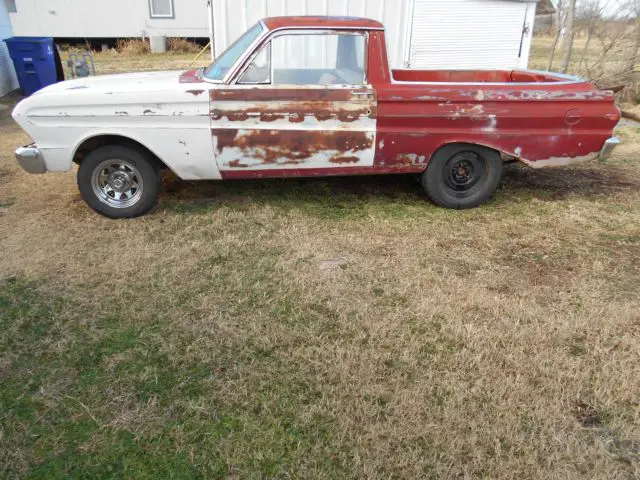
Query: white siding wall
(8, 80)
(470, 33)
(234, 17)
(443, 33)
(107, 18)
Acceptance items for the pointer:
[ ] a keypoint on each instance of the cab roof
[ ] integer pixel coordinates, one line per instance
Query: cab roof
(274, 23)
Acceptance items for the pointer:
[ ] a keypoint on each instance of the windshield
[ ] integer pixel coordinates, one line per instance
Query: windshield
(219, 68)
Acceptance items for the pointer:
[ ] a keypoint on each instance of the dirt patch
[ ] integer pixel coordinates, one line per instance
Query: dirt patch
(560, 183)
(6, 173)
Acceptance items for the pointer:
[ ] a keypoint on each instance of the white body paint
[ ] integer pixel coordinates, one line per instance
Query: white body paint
(153, 108)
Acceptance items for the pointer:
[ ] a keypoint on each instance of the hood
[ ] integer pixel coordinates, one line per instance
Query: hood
(110, 96)
(113, 84)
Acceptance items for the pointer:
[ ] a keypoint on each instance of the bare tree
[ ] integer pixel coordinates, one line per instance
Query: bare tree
(634, 10)
(568, 35)
(558, 22)
(589, 15)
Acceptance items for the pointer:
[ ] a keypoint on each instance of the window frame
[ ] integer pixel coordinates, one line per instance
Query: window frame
(11, 6)
(259, 50)
(246, 62)
(153, 15)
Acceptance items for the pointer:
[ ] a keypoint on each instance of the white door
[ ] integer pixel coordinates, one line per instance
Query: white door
(474, 34)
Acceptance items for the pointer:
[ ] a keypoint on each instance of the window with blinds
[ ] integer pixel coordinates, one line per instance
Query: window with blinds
(161, 8)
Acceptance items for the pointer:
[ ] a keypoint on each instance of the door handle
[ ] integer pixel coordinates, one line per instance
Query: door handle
(362, 94)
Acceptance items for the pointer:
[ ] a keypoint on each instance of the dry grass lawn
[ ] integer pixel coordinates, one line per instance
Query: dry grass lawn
(327, 328)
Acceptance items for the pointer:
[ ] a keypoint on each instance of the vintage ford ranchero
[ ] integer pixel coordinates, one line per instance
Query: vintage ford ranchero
(310, 96)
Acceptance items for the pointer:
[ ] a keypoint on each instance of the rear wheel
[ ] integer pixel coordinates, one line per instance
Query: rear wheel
(119, 182)
(462, 175)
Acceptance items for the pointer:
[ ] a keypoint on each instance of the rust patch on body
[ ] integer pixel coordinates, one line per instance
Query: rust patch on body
(271, 117)
(291, 147)
(344, 160)
(195, 93)
(296, 117)
(348, 117)
(237, 116)
(297, 112)
(190, 76)
(283, 95)
(237, 164)
(405, 159)
(323, 115)
(226, 138)
(322, 103)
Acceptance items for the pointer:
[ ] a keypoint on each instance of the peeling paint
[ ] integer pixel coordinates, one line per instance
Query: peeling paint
(491, 125)
(306, 128)
(560, 161)
(342, 160)
(277, 147)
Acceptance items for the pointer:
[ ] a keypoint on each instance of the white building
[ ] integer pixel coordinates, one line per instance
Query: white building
(8, 80)
(420, 33)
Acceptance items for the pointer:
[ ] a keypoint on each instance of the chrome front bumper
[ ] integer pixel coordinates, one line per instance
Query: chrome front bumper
(30, 159)
(608, 148)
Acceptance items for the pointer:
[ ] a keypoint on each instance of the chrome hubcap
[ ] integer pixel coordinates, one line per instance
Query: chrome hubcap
(117, 183)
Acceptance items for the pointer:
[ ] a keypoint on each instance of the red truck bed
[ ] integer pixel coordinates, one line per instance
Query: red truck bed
(477, 76)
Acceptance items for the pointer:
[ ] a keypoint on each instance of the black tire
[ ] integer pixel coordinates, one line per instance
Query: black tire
(462, 175)
(131, 181)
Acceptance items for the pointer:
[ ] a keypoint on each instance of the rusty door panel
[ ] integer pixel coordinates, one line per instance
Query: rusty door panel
(311, 128)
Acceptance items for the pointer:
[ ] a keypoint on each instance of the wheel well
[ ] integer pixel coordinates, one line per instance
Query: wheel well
(92, 143)
(505, 157)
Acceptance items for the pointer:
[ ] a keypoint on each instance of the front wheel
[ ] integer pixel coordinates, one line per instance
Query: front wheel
(462, 176)
(119, 182)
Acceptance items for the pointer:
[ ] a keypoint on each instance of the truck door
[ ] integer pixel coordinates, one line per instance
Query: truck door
(301, 103)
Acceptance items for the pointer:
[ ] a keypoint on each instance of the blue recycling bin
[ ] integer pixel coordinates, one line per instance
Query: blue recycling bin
(35, 60)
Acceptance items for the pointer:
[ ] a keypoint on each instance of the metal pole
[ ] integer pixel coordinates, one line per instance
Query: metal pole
(212, 38)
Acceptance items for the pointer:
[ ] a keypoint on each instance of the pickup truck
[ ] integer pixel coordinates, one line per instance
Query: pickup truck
(311, 96)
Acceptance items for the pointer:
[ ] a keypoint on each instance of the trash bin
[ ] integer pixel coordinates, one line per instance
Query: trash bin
(37, 62)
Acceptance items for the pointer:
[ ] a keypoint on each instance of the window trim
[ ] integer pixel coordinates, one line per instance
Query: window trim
(158, 16)
(11, 6)
(246, 62)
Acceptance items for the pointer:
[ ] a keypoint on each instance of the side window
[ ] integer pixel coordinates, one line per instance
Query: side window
(310, 59)
(161, 9)
(259, 71)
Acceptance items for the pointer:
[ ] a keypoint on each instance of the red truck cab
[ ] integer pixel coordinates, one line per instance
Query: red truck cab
(315, 96)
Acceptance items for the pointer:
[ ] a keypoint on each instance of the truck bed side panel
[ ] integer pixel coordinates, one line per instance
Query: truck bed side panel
(545, 126)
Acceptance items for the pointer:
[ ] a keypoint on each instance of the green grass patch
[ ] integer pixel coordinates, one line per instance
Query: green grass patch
(107, 397)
